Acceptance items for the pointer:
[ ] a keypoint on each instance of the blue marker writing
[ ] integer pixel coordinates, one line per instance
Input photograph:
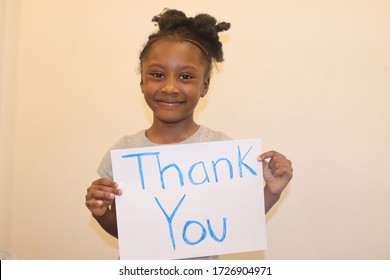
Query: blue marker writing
(242, 163)
(203, 235)
(170, 218)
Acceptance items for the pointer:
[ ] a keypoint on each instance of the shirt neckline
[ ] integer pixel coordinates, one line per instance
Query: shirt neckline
(189, 139)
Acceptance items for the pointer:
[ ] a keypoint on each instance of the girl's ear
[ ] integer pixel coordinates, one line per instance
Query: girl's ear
(142, 85)
(205, 88)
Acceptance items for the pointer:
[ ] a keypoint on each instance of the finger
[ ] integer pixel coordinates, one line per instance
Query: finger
(96, 194)
(105, 200)
(94, 204)
(97, 207)
(267, 155)
(104, 185)
(278, 160)
(105, 182)
(284, 171)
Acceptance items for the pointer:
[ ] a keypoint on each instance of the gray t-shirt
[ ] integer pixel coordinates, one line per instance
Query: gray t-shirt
(138, 140)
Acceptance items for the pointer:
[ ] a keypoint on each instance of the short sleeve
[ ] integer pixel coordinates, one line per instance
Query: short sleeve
(105, 168)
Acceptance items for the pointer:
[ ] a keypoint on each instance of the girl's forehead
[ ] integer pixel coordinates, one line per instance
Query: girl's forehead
(165, 48)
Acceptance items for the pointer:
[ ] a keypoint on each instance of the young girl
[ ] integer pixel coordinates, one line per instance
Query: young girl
(175, 65)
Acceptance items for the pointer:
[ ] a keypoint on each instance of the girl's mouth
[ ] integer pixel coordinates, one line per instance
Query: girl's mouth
(170, 103)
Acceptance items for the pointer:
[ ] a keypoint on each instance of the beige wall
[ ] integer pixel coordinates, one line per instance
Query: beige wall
(312, 78)
(8, 56)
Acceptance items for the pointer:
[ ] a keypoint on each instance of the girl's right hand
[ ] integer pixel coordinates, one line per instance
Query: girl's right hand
(100, 195)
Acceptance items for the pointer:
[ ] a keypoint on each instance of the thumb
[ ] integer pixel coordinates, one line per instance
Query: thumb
(267, 172)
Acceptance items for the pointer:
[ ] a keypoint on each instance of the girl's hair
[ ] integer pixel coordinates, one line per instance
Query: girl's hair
(201, 30)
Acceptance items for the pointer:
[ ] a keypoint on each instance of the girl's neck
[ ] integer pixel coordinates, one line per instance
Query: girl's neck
(170, 133)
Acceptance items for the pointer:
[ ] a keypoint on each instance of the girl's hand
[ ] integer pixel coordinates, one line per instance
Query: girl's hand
(277, 171)
(100, 195)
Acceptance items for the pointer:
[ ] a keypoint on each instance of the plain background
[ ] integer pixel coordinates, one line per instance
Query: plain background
(311, 78)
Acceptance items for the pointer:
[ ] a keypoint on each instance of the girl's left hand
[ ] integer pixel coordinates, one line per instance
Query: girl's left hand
(277, 172)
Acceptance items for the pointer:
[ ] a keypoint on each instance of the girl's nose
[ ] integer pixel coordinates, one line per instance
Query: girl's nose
(170, 85)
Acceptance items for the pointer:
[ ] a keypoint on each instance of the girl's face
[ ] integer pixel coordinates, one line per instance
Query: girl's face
(173, 78)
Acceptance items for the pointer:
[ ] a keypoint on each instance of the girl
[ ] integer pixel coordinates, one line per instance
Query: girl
(175, 65)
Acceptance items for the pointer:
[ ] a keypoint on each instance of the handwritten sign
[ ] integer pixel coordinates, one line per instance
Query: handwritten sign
(190, 200)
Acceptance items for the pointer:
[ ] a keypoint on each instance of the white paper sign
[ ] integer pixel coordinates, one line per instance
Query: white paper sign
(190, 200)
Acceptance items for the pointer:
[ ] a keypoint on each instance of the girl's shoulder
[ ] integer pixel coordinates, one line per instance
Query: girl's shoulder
(132, 141)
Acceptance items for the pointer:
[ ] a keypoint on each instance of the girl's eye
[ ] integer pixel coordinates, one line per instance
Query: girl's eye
(185, 76)
(157, 75)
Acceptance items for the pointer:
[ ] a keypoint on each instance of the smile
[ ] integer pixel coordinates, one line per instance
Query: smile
(170, 103)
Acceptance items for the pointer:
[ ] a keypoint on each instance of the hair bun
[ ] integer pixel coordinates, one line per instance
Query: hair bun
(169, 20)
(202, 28)
(222, 26)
